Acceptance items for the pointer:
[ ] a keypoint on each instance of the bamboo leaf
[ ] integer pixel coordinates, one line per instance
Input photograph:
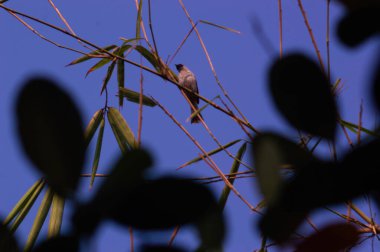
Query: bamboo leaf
(220, 26)
(139, 19)
(354, 128)
(108, 76)
(25, 210)
(39, 220)
(210, 153)
(148, 56)
(49, 119)
(21, 203)
(120, 78)
(93, 126)
(121, 129)
(98, 65)
(235, 167)
(135, 97)
(126, 41)
(97, 152)
(56, 214)
(89, 55)
(8, 242)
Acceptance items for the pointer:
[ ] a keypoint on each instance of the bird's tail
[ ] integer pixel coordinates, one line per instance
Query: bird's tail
(195, 119)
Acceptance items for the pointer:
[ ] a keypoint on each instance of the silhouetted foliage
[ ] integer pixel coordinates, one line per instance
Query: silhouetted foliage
(303, 95)
(51, 133)
(7, 241)
(59, 244)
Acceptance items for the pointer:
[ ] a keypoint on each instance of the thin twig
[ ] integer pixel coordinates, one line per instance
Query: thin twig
(280, 25)
(131, 238)
(360, 124)
(210, 61)
(311, 35)
(217, 170)
(181, 44)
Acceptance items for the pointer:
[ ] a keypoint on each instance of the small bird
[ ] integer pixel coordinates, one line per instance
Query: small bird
(187, 79)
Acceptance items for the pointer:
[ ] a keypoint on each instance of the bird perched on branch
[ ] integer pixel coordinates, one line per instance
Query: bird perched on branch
(187, 79)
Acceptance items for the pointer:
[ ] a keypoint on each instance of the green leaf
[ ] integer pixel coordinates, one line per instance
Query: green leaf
(210, 153)
(56, 215)
(139, 19)
(235, 168)
(121, 130)
(220, 26)
(25, 210)
(127, 41)
(108, 76)
(39, 220)
(49, 119)
(354, 128)
(93, 126)
(195, 113)
(98, 65)
(22, 202)
(97, 152)
(135, 97)
(89, 55)
(148, 56)
(120, 78)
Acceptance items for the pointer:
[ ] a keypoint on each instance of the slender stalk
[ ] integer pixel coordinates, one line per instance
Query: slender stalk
(311, 34)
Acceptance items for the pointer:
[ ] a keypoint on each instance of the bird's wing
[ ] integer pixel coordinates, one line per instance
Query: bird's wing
(191, 83)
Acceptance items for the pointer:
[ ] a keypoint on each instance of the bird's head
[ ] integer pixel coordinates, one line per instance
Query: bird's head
(179, 67)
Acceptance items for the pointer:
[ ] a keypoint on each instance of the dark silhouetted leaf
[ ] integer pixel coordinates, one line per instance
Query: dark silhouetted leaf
(161, 248)
(126, 174)
(376, 86)
(359, 25)
(271, 152)
(59, 244)
(7, 241)
(89, 55)
(302, 94)
(122, 131)
(39, 220)
(333, 238)
(135, 97)
(211, 231)
(120, 78)
(51, 133)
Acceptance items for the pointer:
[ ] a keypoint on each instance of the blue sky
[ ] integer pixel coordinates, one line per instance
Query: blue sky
(241, 63)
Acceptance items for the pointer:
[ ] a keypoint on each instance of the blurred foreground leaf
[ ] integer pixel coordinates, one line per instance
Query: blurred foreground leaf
(51, 133)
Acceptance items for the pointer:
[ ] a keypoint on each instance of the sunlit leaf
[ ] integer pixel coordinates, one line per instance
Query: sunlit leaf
(354, 128)
(303, 95)
(97, 152)
(22, 202)
(121, 129)
(25, 209)
(108, 76)
(235, 168)
(334, 237)
(39, 220)
(135, 97)
(89, 55)
(210, 153)
(51, 132)
(56, 215)
(93, 126)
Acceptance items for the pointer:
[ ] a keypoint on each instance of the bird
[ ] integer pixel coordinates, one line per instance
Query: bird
(187, 79)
